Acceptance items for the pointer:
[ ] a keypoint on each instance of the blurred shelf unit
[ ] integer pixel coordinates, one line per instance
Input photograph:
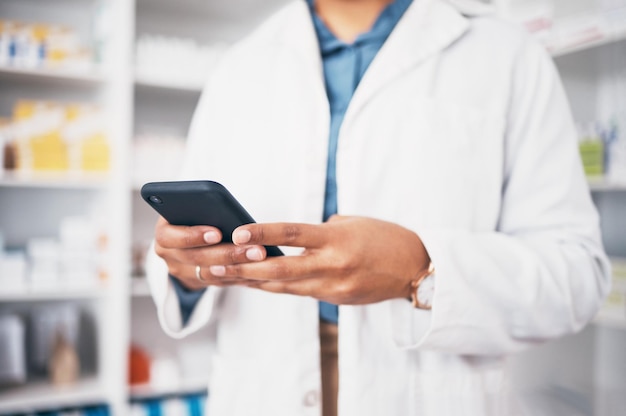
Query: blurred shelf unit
(169, 84)
(181, 405)
(606, 185)
(610, 321)
(92, 77)
(613, 312)
(41, 45)
(139, 287)
(567, 27)
(54, 180)
(42, 396)
(593, 36)
(185, 387)
(172, 62)
(58, 293)
(137, 184)
(66, 100)
(47, 138)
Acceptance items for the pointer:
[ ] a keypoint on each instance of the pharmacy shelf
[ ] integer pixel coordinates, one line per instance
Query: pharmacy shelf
(137, 184)
(95, 181)
(58, 293)
(606, 185)
(139, 287)
(110, 89)
(602, 38)
(143, 392)
(40, 396)
(84, 77)
(168, 84)
(610, 321)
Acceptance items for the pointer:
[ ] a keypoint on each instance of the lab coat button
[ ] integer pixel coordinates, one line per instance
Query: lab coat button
(311, 399)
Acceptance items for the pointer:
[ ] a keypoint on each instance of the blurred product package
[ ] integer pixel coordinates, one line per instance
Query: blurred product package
(175, 60)
(164, 372)
(189, 405)
(79, 250)
(157, 157)
(48, 323)
(138, 366)
(603, 150)
(48, 136)
(563, 24)
(193, 365)
(9, 149)
(77, 259)
(614, 306)
(101, 410)
(64, 365)
(614, 143)
(611, 103)
(619, 275)
(12, 269)
(43, 257)
(12, 351)
(34, 45)
(591, 148)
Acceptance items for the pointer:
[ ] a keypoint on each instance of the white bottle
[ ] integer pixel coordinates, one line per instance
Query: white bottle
(12, 350)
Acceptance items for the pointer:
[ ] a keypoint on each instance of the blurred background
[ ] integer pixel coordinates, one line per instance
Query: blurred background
(96, 97)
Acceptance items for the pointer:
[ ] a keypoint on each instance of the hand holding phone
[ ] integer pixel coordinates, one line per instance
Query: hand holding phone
(199, 203)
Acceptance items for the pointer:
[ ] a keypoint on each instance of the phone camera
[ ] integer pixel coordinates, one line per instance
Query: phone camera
(156, 199)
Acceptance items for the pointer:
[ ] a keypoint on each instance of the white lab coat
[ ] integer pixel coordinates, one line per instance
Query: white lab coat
(460, 131)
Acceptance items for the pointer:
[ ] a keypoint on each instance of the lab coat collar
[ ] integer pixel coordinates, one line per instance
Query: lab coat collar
(427, 27)
(473, 7)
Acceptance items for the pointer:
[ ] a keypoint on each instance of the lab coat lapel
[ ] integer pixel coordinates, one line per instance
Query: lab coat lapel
(426, 28)
(299, 35)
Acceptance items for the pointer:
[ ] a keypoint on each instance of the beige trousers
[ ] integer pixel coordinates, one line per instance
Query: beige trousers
(330, 372)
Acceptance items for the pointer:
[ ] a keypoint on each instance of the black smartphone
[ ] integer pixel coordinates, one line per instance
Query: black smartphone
(199, 203)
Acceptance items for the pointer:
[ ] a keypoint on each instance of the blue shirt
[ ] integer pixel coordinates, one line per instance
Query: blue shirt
(344, 67)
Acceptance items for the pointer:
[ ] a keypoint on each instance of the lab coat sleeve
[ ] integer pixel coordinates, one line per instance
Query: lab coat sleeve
(543, 272)
(167, 303)
(162, 290)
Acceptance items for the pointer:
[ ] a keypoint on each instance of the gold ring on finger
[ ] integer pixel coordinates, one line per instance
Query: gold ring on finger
(199, 275)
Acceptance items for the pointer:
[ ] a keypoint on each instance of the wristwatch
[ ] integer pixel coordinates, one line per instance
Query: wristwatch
(423, 289)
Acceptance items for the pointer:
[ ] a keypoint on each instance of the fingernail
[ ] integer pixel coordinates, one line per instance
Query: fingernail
(241, 236)
(211, 237)
(254, 254)
(217, 270)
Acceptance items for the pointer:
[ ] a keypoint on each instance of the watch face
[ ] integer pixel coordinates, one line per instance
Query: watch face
(426, 291)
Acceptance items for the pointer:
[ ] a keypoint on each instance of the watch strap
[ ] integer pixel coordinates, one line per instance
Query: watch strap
(415, 284)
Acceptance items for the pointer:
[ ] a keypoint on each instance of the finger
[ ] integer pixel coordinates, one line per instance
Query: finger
(281, 234)
(180, 236)
(274, 269)
(219, 254)
(320, 289)
(186, 274)
(304, 287)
